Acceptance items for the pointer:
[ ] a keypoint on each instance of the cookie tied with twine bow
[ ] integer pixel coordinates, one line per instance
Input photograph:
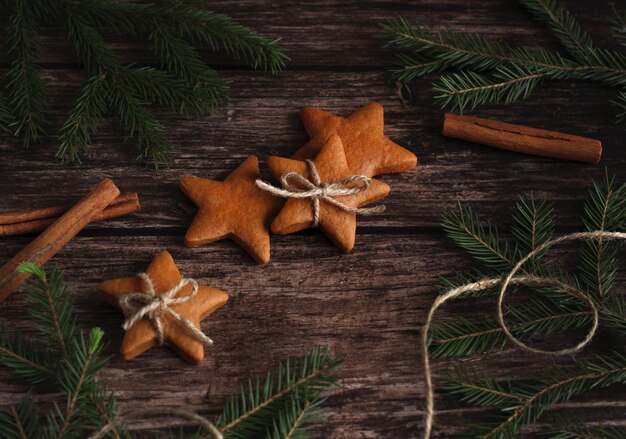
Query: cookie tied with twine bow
(162, 307)
(323, 193)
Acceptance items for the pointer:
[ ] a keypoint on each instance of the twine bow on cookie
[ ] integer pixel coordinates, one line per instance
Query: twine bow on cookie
(298, 186)
(151, 306)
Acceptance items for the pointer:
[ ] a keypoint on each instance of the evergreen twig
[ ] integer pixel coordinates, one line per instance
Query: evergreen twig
(522, 403)
(292, 386)
(25, 85)
(184, 83)
(488, 72)
(60, 358)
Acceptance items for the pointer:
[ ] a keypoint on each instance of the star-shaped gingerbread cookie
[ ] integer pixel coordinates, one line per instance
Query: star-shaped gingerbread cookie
(235, 208)
(368, 150)
(337, 224)
(142, 335)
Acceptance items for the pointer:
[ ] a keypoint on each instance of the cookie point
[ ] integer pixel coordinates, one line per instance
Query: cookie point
(191, 243)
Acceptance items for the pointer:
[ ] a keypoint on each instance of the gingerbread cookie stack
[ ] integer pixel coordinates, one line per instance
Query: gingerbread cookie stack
(327, 183)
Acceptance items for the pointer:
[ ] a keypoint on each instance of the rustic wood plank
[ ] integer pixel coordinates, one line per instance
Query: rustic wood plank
(310, 293)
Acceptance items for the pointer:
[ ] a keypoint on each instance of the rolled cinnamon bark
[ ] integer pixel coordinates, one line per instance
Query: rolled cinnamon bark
(23, 216)
(31, 221)
(524, 139)
(51, 240)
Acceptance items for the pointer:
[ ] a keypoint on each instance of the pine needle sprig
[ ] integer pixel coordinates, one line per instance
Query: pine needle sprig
(220, 32)
(544, 314)
(620, 104)
(76, 381)
(51, 309)
(21, 421)
(183, 82)
(29, 364)
(564, 27)
(619, 26)
(297, 418)
(480, 390)
(538, 318)
(605, 209)
(25, 83)
(61, 358)
(533, 224)
(480, 240)
(493, 72)
(6, 118)
(87, 112)
(571, 429)
(248, 414)
(561, 387)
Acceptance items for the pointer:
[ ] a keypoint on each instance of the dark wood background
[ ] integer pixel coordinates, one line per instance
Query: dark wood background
(368, 305)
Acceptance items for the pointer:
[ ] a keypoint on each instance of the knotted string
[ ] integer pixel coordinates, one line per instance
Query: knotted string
(151, 306)
(511, 279)
(298, 186)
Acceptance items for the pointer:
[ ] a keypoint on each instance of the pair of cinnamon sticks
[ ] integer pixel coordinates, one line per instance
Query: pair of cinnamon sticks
(37, 220)
(59, 224)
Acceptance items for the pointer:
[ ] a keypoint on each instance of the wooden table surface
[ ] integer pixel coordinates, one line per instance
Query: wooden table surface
(368, 305)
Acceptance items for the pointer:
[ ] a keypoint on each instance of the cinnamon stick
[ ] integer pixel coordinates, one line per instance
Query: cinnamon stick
(521, 138)
(51, 240)
(51, 212)
(19, 223)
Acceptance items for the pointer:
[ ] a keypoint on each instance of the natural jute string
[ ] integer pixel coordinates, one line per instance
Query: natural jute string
(213, 432)
(151, 306)
(298, 186)
(505, 282)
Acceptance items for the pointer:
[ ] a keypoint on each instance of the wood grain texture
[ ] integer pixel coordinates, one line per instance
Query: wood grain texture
(368, 305)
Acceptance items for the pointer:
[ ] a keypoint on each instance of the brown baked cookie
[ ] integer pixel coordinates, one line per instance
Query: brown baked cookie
(337, 224)
(142, 335)
(368, 150)
(235, 208)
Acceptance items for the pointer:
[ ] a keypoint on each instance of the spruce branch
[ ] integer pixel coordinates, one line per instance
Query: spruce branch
(62, 359)
(29, 364)
(296, 419)
(605, 209)
(452, 49)
(606, 371)
(533, 224)
(538, 318)
(619, 26)
(479, 389)
(522, 403)
(468, 90)
(493, 72)
(220, 32)
(184, 83)
(6, 118)
(50, 307)
(571, 429)
(261, 403)
(21, 421)
(77, 374)
(479, 240)
(620, 103)
(564, 27)
(87, 113)
(25, 84)
(141, 125)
